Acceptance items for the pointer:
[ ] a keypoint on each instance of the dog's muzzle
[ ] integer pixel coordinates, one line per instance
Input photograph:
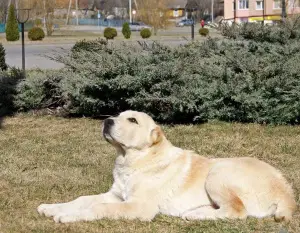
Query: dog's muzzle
(108, 123)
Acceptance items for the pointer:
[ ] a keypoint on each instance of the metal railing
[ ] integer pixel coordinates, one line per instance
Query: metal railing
(28, 26)
(100, 22)
(91, 22)
(2, 27)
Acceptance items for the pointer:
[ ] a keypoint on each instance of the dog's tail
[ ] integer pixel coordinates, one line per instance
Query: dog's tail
(286, 206)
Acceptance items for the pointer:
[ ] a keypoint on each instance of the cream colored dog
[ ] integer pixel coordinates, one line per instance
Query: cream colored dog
(152, 176)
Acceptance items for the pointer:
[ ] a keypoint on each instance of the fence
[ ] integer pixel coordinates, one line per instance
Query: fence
(2, 27)
(92, 22)
(27, 27)
(100, 22)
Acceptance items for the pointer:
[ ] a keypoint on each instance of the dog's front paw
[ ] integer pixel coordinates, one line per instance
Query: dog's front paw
(49, 210)
(64, 218)
(74, 217)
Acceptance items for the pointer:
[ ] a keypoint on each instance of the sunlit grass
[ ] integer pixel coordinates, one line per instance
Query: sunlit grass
(47, 159)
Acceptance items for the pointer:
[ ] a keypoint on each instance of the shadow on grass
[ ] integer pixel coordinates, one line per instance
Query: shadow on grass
(8, 83)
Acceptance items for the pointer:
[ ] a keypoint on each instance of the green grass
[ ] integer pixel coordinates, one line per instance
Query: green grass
(48, 159)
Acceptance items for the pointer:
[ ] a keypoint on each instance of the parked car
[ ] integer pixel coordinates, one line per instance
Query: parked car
(185, 22)
(138, 26)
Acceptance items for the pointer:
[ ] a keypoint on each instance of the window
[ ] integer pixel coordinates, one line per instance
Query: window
(243, 4)
(277, 4)
(259, 5)
(176, 13)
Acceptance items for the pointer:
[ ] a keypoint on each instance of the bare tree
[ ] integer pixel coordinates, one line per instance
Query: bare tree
(199, 7)
(154, 13)
(49, 6)
(4, 4)
(44, 8)
(3, 10)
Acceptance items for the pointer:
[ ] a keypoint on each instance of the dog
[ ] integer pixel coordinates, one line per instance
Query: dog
(152, 176)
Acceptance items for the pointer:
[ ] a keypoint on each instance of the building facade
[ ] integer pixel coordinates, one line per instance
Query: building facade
(258, 10)
(176, 8)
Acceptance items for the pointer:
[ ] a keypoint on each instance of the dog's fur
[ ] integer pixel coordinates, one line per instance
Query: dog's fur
(152, 176)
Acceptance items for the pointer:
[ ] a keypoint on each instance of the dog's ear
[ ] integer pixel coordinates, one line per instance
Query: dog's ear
(156, 135)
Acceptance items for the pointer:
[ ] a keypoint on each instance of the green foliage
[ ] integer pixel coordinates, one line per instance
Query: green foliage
(12, 30)
(126, 31)
(8, 82)
(3, 65)
(203, 31)
(281, 33)
(145, 33)
(36, 33)
(38, 22)
(110, 33)
(224, 80)
(90, 45)
(39, 90)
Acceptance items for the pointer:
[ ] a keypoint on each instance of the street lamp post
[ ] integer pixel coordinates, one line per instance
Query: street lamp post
(98, 16)
(76, 2)
(212, 11)
(134, 12)
(263, 19)
(234, 11)
(130, 12)
(193, 23)
(193, 29)
(75, 15)
(283, 8)
(190, 8)
(22, 18)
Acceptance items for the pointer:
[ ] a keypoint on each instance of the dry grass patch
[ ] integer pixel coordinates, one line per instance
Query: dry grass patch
(47, 159)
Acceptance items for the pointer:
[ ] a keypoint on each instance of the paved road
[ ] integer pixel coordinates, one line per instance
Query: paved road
(36, 54)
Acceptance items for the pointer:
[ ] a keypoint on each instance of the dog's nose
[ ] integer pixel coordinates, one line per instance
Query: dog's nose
(108, 123)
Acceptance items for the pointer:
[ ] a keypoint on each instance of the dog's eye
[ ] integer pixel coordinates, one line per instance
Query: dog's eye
(133, 120)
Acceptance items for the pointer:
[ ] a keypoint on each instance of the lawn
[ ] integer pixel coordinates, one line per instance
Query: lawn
(48, 159)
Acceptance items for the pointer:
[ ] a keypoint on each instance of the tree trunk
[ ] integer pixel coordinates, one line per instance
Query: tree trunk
(136, 5)
(49, 23)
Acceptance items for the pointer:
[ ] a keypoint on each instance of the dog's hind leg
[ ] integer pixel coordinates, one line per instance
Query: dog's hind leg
(211, 213)
(225, 203)
(202, 213)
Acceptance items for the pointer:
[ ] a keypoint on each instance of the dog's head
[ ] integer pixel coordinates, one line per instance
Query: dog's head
(132, 130)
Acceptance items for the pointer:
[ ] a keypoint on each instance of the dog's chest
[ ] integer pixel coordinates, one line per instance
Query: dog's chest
(123, 178)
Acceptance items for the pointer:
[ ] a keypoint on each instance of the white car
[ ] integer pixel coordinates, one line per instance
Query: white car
(185, 22)
(138, 26)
